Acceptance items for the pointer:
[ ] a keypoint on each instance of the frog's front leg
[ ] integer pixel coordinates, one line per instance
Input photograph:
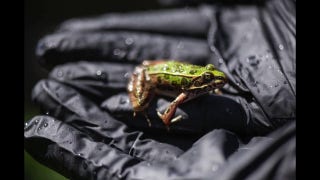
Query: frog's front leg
(141, 91)
(166, 117)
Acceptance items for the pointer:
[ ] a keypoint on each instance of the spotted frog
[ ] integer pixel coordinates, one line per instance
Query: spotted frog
(179, 80)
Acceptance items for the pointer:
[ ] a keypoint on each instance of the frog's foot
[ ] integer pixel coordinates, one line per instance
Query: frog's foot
(218, 91)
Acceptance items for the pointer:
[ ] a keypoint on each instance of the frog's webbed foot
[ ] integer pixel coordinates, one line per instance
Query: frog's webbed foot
(218, 91)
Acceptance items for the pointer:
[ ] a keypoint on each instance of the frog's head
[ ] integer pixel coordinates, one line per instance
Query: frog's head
(210, 79)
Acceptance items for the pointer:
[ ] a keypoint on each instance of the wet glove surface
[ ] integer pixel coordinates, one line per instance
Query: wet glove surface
(89, 132)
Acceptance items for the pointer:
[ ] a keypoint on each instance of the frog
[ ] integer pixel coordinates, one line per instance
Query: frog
(172, 78)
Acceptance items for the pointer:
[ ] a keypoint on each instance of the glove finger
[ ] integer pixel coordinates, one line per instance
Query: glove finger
(81, 113)
(97, 80)
(76, 155)
(221, 155)
(119, 47)
(188, 22)
(73, 153)
(271, 157)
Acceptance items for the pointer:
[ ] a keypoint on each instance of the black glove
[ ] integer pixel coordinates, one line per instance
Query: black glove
(89, 131)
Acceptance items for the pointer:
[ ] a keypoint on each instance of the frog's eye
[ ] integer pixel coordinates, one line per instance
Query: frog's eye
(207, 76)
(210, 67)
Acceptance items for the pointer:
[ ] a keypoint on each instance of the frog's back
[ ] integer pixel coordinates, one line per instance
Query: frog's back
(176, 68)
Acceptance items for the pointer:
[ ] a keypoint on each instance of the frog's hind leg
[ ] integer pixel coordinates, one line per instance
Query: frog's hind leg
(166, 117)
(140, 92)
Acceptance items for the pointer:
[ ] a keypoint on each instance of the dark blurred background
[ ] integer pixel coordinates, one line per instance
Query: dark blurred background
(40, 18)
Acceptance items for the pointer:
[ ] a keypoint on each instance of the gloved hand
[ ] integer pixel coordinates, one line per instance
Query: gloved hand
(89, 132)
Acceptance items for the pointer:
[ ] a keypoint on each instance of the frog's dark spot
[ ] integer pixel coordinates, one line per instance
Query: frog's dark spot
(184, 82)
(174, 83)
(197, 83)
(192, 71)
(159, 79)
(166, 76)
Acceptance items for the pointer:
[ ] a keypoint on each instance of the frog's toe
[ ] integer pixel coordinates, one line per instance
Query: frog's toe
(176, 119)
(159, 114)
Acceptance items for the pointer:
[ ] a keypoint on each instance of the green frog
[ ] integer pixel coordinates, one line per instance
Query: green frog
(176, 79)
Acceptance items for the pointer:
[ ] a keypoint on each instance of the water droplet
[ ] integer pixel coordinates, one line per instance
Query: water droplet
(59, 73)
(26, 124)
(254, 84)
(50, 44)
(79, 154)
(39, 128)
(267, 56)
(45, 125)
(214, 167)
(271, 86)
(129, 41)
(180, 45)
(119, 176)
(47, 113)
(270, 67)
(37, 121)
(220, 60)
(130, 87)
(238, 84)
(85, 165)
(94, 173)
(119, 53)
(126, 75)
(123, 100)
(281, 47)
(102, 75)
(165, 68)
(253, 60)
